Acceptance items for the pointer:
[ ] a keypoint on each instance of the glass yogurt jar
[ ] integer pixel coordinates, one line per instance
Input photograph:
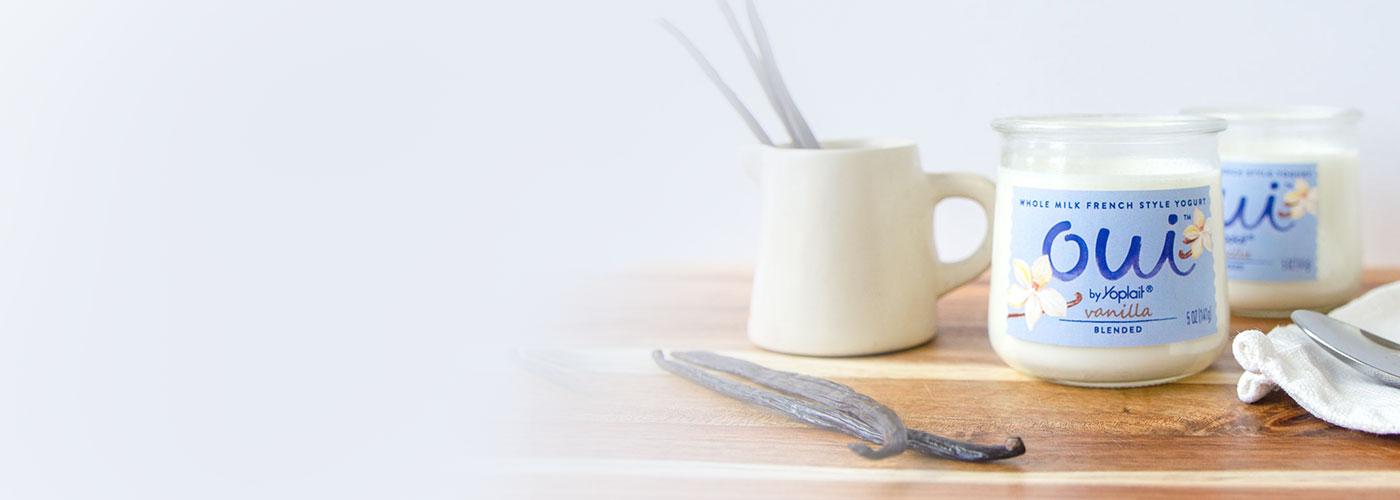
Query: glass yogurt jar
(1292, 217)
(1107, 261)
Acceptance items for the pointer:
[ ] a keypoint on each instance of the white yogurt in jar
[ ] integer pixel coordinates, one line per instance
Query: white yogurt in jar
(1291, 191)
(1107, 264)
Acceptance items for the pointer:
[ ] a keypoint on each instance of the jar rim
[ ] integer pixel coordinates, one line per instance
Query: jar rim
(1115, 125)
(1279, 114)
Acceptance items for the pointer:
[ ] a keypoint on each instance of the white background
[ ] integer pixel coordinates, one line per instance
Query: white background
(262, 249)
(645, 150)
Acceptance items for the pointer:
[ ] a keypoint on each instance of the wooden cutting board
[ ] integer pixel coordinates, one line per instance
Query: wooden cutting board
(595, 418)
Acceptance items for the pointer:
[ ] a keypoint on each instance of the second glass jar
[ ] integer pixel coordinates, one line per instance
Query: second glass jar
(1292, 207)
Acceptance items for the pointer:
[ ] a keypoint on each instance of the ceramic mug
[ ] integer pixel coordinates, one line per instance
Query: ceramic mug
(846, 262)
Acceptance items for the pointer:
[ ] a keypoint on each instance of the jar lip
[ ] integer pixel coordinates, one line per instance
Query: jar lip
(1115, 125)
(1279, 114)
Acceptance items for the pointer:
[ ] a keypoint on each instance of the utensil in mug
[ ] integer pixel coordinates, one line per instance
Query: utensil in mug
(846, 260)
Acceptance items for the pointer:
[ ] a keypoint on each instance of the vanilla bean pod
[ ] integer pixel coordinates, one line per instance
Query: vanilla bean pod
(714, 77)
(760, 71)
(939, 446)
(823, 416)
(805, 138)
(822, 390)
(803, 411)
(884, 420)
(817, 388)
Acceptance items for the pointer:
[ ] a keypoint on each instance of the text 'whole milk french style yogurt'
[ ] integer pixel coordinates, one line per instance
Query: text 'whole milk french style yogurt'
(1108, 264)
(1291, 185)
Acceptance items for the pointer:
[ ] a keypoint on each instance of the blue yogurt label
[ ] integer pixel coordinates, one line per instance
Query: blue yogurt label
(1111, 268)
(1270, 220)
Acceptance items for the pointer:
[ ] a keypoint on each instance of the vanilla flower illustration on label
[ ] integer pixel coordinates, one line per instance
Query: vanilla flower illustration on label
(1270, 220)
(1111, 268)
(1197, 236)
(1032, 293)
(1301, 201)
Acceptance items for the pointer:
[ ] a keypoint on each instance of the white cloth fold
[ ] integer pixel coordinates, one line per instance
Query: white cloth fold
(1323, 385)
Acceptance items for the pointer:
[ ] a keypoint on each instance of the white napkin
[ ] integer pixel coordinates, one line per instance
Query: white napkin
(1325, 386)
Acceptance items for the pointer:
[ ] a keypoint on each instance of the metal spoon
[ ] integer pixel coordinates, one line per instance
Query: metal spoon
(1368, 353)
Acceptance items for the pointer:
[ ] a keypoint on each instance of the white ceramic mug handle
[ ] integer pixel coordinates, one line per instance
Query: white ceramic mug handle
(981, 190)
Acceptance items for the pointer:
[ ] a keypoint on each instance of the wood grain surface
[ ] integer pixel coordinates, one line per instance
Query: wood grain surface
(595, 418)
